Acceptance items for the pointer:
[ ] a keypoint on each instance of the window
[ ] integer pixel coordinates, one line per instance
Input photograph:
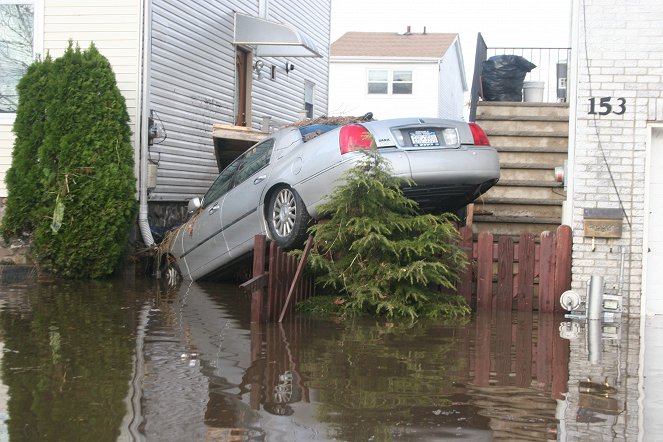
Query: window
(17, 31)
(402, 83)
(254, 159)
(309, 89)
(379, 82)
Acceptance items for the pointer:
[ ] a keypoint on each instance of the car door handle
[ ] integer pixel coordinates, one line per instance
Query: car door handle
(214, 208)
(259, 179)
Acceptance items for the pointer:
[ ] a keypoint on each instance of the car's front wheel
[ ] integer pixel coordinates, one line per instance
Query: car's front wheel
(288, 219)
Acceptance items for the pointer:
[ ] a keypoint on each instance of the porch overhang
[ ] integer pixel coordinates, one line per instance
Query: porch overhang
(272, 39)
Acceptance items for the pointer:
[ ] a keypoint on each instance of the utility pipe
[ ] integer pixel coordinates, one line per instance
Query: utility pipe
(146, 28)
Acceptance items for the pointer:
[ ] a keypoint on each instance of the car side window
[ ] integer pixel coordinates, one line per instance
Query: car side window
(222, 184)
(254, 159)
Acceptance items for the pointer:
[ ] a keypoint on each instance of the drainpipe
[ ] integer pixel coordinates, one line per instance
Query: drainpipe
(143, 223)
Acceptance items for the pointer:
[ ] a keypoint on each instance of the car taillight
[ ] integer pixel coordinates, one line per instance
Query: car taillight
(480, 138)
(354, 137)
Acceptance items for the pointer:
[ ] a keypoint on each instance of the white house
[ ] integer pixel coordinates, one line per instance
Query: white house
(396, 75)
(183, 67)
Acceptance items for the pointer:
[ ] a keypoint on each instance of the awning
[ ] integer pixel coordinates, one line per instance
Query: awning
(272, 39)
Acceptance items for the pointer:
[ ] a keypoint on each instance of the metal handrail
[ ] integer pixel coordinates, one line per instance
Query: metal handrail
(552, 70)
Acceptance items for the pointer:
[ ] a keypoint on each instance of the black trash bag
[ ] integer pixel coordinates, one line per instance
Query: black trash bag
(502, 77)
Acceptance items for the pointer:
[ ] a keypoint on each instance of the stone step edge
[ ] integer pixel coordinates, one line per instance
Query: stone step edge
(529, 183)
(519, 201)
(532, 149)
(516, 219)
(525, 118)
(527, 133)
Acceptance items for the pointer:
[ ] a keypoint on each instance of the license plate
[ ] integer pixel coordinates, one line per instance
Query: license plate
(423, 138)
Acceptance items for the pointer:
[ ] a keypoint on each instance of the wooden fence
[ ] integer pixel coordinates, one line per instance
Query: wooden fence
(507, 272)
(281, 277)
(525, 273)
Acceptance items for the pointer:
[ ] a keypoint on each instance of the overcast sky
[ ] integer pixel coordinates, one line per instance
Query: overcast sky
(513, 23)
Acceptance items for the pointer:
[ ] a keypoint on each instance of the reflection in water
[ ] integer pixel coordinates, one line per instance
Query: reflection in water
(105, 361)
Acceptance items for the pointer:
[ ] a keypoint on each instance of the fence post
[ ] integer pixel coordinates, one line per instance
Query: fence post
(563, 263)
(485, 272)
(547, 273)
(525, 275)
(466, 243)
(259, 248)
(505, 274)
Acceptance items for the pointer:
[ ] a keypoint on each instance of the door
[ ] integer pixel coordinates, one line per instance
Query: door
(654, 285)
(241, 90)
(241, 212)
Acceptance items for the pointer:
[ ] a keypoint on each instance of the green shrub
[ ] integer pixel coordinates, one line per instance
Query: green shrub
(380, 256)
(86, 184)
(25, 192)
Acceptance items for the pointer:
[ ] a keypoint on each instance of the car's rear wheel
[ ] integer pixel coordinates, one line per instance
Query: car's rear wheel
(288, 219)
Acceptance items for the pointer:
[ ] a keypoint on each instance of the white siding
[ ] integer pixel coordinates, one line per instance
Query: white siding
(452, 87)
(6, 144)
(349, 91)
(113, 26)
(193, 82)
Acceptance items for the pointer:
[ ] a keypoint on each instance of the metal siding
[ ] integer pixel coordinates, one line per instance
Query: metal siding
(192, 83)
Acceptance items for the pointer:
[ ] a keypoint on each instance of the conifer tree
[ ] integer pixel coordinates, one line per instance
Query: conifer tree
(87, 169)
(23, 178)
(380, 255)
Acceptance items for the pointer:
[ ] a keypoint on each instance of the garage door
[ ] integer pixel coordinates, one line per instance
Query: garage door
(654, 285)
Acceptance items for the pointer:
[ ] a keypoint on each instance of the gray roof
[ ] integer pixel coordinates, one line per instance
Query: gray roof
(390, 44)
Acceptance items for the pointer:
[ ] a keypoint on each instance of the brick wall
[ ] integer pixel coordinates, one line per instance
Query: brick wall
(618, 49)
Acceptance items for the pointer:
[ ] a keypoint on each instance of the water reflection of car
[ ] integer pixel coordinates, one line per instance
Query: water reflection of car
(277, 186)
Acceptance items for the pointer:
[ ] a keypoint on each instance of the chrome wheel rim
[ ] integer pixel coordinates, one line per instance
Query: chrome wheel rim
(284, 212)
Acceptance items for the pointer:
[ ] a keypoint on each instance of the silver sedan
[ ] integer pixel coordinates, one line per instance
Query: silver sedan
(276, 187)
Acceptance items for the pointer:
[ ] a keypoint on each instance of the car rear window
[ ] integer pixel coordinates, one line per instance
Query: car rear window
(314, 130)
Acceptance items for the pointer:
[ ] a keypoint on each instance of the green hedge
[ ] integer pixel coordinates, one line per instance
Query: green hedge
(86, 184)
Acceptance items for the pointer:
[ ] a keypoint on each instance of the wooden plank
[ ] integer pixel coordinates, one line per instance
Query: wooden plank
(503, 346)
(298, 274)
(259, 250)
(525, 276)
(560, 365)
(544, 349)
(547, 273)
(257, 282)
(485, 272)
(465, 284)
(563, 253)
(505, 274)
(272, 285)
(482, 349)
(524, 349)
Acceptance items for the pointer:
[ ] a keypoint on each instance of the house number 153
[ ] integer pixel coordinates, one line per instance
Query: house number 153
(605, 106)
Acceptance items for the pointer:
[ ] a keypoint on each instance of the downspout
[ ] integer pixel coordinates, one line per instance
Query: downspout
(143, 223)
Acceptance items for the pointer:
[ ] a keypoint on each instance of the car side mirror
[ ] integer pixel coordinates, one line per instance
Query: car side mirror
(194, 204)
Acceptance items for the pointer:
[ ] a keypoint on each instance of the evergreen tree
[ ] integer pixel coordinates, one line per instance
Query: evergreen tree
(380, 254)
(25, 192)
(87, 169)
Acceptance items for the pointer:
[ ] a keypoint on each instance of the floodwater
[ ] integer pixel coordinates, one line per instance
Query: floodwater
(135, 360)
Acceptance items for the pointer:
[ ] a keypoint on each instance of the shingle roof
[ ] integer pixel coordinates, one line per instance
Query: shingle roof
(389, 44)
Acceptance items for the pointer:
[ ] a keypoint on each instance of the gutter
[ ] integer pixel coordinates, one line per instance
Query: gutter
(146, 32)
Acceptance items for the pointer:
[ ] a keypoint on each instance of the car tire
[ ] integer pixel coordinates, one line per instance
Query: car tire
(287, 218)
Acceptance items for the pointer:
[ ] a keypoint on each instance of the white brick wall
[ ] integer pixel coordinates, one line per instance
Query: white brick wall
(620, 54)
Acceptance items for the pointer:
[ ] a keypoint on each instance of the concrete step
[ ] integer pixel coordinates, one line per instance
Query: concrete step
(492, 108)
(547, 192)
(520, 139)
(540, 126)
(518, 209)
(523, 158)
(514, 226)
(537, 175)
